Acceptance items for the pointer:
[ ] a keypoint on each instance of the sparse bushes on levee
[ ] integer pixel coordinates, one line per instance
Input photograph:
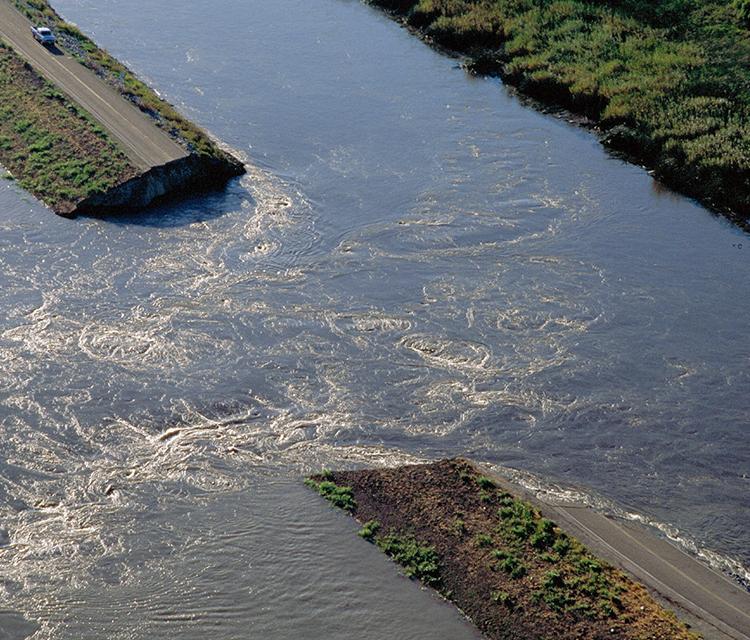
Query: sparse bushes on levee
(121, 78)
(419, 561)
(340, 497)
(53, 147)
(511, 570)
(668, 80)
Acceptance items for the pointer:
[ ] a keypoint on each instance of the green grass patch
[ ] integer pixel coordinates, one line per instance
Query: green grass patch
(504, 598)
(483, 540)
(458, 527)
(485, 483)
(369, 530)
(510, 563)
(579, 584)
(341, 497)
(419, 561)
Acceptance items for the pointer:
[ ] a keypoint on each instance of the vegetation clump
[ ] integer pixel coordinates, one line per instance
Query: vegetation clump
(579, 584)
(54, 148)
(484, 482)
(667, 81)
(369, 530)
(509, 562)
(419, 561)
(504, 598)
(743, 11)
(341, 497)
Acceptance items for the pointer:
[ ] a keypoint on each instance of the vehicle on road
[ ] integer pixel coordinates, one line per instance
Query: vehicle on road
(43, 35)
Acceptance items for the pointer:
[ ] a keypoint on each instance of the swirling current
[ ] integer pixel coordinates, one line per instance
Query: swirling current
(416, 265)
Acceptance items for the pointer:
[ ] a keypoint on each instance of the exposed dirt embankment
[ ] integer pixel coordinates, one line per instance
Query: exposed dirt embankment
(514, 573)
(175, 179)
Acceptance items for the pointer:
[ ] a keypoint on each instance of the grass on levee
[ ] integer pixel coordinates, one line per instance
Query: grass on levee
(419, 561)
(668, 80)
(85, 50)
(52, 147)
(340, 497)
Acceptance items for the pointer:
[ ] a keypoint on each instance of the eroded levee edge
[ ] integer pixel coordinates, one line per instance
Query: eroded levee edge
(523, 577)
(176, 179)
(202, 165)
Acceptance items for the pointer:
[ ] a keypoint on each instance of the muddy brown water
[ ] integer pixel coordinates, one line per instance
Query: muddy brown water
(417, 265)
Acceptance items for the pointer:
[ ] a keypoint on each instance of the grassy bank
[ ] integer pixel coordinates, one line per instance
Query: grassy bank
(513, 572)
(668, 81)
(54, 149)
(75, 43)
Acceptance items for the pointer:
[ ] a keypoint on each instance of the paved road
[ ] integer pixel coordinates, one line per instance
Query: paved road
(710, 602)
(144, 143)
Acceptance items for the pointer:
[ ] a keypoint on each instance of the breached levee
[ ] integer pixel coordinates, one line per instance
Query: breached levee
(83, 134)
(512, 571)
(191, 174)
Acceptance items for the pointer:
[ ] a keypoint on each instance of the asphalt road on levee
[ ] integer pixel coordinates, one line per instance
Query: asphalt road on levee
(144, 143)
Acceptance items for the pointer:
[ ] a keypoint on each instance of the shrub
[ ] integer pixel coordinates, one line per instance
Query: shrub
(510, 563)
(418, 560)
(561, 545)
(483, 540)
(485, 483)
(518, 520)
(743, 11)
(369, 530)
(504, 598)
(341, 497)
(544, 535)
(459, 527)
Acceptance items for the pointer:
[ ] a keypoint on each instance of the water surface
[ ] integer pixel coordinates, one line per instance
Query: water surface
(417, 265)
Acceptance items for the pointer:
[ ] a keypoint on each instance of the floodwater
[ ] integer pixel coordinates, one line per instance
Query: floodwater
(417, 265)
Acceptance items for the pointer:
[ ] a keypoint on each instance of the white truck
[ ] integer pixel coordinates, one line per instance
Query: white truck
(43, 35)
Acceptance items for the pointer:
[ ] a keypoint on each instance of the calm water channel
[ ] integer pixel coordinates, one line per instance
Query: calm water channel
(417, 266)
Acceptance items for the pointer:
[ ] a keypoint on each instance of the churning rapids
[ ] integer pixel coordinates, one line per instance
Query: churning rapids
(417, 265)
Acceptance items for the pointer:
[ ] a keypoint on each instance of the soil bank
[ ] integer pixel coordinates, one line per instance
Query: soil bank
(514, 573)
